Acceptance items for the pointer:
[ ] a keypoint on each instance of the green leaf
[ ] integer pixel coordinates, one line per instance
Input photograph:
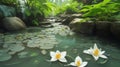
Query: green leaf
(27, 12)
(35, 22)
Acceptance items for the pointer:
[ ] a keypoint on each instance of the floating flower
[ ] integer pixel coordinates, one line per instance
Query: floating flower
(78, 62)
(58, 56)
(95, 52)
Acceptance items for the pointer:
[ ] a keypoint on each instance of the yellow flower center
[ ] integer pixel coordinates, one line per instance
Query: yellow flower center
(58, 55)
(96, 52)
(78, 63)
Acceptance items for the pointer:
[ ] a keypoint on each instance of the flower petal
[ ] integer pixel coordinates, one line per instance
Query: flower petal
(78, 59)
(103, 56)
(62, 60)
(95, 46)
(72, 63)
(86, 51)
(63, 54)
(89, 51)
(102, 52)
(96, 57)
(84, 64)
(57, 51)
(52, 54)
(53, 59)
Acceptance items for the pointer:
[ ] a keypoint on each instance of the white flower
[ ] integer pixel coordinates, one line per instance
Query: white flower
(95, 52)
(58, 56)
(78, 62)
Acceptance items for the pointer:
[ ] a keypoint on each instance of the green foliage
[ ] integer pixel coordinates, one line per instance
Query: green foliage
(118, 1)
(41, 7)
(38, 9)
(9, 2)
(67, 7)
(101, 11)
(72, 7)
(117, 17)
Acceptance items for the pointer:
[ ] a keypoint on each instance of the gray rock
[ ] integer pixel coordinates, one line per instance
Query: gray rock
(103, 28)
(44, 52)
(76, 15)
(68, 18)
(78, 25)
(13, 24)
(115, 29)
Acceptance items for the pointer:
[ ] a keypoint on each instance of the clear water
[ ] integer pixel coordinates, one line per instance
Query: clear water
(74, 45)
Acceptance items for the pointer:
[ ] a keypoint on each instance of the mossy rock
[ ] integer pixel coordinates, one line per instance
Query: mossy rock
(81, 26)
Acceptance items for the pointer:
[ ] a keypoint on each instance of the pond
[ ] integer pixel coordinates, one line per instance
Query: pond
(36, 47)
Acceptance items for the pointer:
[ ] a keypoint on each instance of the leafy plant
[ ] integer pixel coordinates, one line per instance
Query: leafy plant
(67, 7)
(38, 9)
(9, 2)
(72, 7)
(117, 17)
(101, 11)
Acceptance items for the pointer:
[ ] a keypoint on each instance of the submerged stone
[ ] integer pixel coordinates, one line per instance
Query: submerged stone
(33, 43)
(47, 46)
(17, 48)
(58, 29)
(42, 42)
(22, 54)
(4, 56)
(9, 39)
(13, 47)
(44, 52)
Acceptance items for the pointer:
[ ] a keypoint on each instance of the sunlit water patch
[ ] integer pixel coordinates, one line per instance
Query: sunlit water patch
(32, 49)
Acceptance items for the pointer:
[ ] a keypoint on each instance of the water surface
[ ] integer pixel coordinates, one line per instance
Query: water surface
(74, 45)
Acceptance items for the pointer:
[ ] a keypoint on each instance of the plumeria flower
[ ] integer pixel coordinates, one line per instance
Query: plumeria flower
(95, 52)
(58, 56)
(78, 62)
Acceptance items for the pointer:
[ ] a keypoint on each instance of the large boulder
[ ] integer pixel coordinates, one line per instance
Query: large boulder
(78, 25)
(13, 24)
(103, 28)
(115, 29)
(6, 11)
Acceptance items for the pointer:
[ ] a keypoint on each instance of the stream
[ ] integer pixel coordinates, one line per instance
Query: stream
(31, 48)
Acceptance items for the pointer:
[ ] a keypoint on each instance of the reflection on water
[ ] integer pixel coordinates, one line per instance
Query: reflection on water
(74, 45)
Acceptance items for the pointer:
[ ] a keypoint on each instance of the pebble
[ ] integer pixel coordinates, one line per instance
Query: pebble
(44, 52)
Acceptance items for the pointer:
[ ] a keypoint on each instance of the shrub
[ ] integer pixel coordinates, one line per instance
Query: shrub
(104, 10)
(37, 10)
(9, 2)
